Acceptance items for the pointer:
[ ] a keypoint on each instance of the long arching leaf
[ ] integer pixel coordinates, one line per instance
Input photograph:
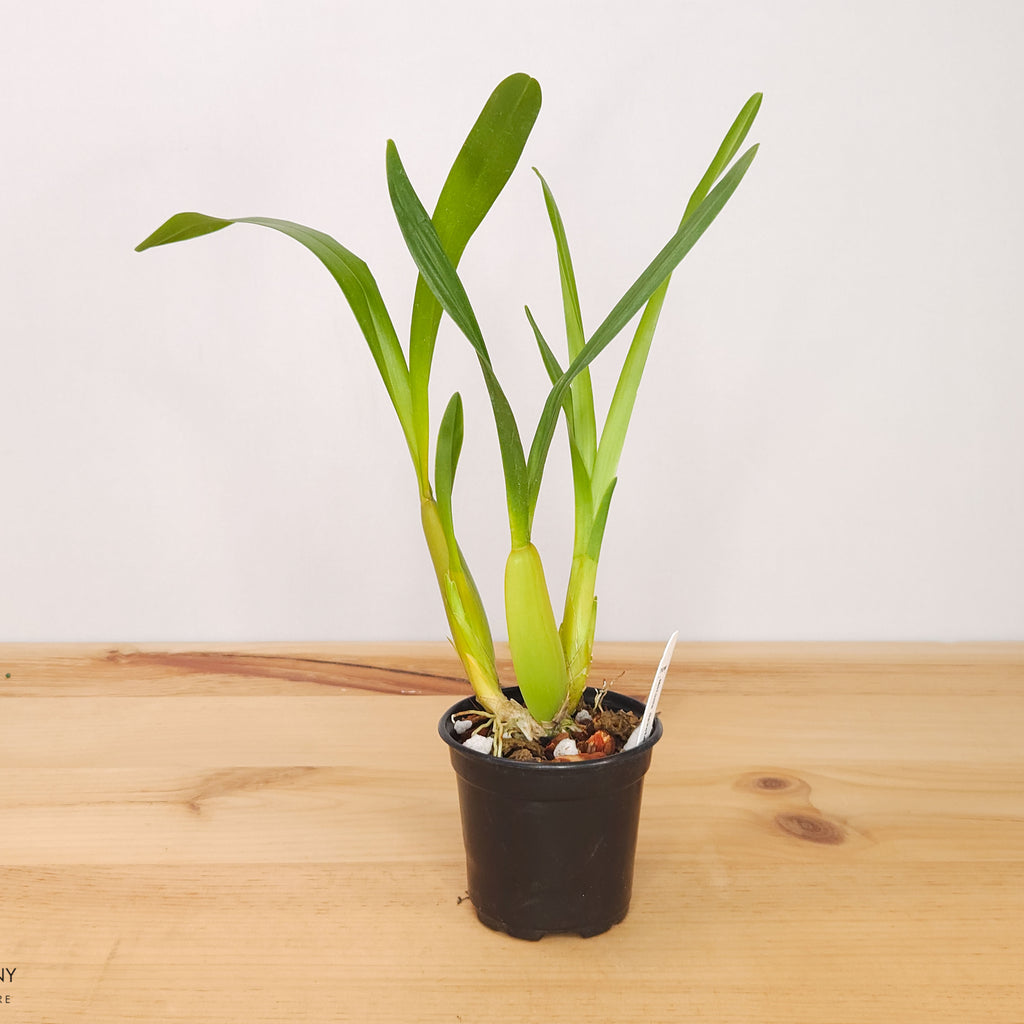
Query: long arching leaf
(353, 277)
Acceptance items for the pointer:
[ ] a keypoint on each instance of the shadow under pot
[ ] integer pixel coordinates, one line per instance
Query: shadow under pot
(550, 847)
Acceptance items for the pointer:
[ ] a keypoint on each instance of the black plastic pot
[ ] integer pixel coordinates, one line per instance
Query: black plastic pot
(549, 847)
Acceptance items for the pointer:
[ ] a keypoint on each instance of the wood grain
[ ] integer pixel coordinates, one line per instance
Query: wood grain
(338, 669)
(831, 833)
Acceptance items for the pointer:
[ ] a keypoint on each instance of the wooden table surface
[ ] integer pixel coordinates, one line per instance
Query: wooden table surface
(831, 834)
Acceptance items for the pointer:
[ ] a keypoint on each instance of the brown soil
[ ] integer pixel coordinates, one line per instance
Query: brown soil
(602, 736)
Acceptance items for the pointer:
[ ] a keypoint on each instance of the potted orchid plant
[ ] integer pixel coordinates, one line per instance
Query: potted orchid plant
(551, 654)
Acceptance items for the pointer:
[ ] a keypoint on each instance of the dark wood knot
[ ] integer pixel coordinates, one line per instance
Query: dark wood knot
(812, 829)
(772, 783)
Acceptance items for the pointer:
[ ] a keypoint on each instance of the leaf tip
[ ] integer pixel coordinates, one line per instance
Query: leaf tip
(527, 83)
(183, 226)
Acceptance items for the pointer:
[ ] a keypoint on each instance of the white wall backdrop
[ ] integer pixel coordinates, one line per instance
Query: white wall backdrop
(829, 444)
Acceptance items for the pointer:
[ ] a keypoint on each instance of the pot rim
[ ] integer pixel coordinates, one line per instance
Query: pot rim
(596, 764)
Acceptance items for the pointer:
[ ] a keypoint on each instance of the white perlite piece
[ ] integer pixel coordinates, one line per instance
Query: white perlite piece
(461, 725)
(582, 716)
(482, 743)
(566, 748)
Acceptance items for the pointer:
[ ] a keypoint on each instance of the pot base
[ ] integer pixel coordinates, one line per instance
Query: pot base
(536, 934)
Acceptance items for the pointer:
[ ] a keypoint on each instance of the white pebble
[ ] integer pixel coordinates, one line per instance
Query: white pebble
(566, 748)
(583, 716)
(482, 743)
(462, 725)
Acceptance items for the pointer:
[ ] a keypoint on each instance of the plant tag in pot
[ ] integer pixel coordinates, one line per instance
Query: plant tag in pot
(643, 730)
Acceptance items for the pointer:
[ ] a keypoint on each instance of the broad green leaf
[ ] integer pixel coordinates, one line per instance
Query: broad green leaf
(486, 161)
(641, 290)
(353, 277)
(479, 173)
(442, 278)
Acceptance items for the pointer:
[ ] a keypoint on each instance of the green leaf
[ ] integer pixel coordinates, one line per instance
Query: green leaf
(486, 161)
(600, 521)
(581, 484)
(429, 256)
(533, 639)
(353, 277)
(428, 253)
(550, 360)
(478, 175)
(576, 633)
(582, 395)
(471, 632)
(181, 227)
(730, 146)
(449, 447)
(641, 290)
(620, 410)
(466, 616)
(664, 263)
